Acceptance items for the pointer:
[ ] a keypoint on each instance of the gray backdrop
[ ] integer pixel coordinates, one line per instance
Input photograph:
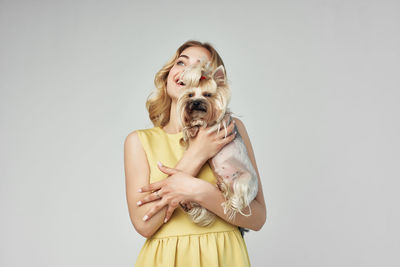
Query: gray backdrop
(315, 82)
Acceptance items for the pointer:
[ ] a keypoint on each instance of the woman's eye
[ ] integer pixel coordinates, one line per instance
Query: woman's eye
(180, 62)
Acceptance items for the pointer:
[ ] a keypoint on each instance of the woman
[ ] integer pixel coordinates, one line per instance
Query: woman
(156, 205)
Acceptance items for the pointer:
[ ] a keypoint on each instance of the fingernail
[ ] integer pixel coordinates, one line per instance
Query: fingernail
(139, 203)
(159, 164)
(145, 217)
(165, 220)
(140, 190)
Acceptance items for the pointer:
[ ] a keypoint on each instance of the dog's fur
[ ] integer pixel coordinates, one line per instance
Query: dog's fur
(204, 104)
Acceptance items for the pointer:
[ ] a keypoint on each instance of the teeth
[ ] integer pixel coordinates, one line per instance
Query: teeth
(179, 82)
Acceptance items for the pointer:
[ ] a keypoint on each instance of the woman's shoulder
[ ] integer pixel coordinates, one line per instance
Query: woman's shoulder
(140, 135)
(137, 132)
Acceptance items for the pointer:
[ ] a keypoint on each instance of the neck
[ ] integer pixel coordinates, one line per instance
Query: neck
(172, 126)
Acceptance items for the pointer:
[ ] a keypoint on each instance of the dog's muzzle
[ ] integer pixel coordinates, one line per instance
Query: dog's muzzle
(197, 105)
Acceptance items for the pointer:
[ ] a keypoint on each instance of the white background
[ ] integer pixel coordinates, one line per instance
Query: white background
(315, 82)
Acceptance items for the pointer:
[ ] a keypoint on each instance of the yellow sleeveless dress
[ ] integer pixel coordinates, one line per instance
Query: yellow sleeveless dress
(180, 242)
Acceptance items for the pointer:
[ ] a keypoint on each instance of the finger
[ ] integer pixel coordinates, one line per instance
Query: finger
(149, 198)
(166, 170)
(151, 187)
(224, 128)
(168, 215)
(156, 208)
(226, 132)
(228, 139)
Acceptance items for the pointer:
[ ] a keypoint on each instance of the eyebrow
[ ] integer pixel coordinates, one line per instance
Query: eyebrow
(184, 56)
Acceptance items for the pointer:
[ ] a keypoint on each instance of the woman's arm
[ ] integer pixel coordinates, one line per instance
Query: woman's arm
(209, 196)
(137, 174)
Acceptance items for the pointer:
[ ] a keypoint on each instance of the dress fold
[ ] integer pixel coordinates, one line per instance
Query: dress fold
(205, 250)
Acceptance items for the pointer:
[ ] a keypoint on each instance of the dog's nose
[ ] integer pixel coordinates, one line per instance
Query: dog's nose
(196, 103)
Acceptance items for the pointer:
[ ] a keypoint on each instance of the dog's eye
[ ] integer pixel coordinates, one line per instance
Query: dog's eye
(207, 94)
(190, 95)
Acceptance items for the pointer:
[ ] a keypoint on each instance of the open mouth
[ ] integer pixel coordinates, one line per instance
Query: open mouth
(202, 109)
(179, 82)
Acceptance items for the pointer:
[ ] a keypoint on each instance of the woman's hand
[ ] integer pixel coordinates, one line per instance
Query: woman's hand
(205, 145)
(178, 188)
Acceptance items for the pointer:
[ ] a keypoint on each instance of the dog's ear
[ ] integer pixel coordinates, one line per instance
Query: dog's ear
(219, 76)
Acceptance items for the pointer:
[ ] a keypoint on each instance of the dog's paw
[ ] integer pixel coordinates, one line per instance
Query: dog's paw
(186, 206)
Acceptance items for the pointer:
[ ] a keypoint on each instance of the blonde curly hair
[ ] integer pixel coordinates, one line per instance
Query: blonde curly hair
(158, 103)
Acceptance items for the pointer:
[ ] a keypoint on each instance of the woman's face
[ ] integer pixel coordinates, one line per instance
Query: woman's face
(189, 56)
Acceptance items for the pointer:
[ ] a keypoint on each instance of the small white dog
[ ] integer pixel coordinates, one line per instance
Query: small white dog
(204, 104)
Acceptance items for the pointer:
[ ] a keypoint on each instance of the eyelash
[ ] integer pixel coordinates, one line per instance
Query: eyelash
(180, 61)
